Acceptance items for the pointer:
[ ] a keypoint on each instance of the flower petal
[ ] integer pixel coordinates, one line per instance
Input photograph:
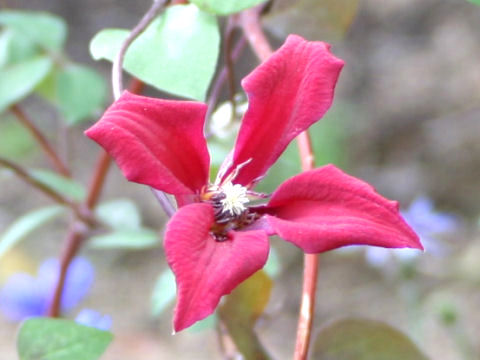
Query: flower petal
(287, 93)
(22, 297)
(156, 142)
(324, 208)
(206, 269)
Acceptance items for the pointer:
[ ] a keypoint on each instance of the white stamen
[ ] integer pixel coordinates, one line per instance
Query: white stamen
(235, 198)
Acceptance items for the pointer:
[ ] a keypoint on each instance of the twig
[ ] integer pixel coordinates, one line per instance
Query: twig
(228, 38)
(136, 31)
(41, 139)
(98, 179)
(222, 77)
(164, 202)
(250, 21)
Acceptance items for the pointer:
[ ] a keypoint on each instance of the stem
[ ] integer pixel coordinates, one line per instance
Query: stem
(222, 77)
(164, 202)
(98, 179)
(41, 139)
(136, 31)
(229, 32)
(250, 22)
(72, 245)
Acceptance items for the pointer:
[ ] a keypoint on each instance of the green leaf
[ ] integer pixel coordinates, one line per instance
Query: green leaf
(5, 41)
(25, 224)
(43, 29)
(120, 214)
(477, 2)
(15, 142)
(177, 53)
(273, 265)
(15, 48)
(126, 239)
(360, 339)
(164, 292)
(59, 339)
(241, 310)
(222, 7)
(67, 187)
(205, 324)
(80, 92)
(18, 80)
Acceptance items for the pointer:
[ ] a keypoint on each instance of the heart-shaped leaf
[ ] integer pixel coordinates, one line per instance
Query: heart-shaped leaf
(59, 339)
(45, 30)
(177, 53)
(17, 81)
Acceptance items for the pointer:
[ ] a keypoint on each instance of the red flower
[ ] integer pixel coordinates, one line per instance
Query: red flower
(216, 240)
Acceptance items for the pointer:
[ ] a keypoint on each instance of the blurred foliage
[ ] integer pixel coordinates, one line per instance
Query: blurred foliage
(32, 58)
(127, 232)
(120, 214)
(77, 91)
(320, 20)
(59, 339)
(61, 184)
(360, 339)
(222, 7)
(26, 224)
(138, 239)
(19, 80)
(177, 53)
(15, 142)
(241, 310)
(163, 292)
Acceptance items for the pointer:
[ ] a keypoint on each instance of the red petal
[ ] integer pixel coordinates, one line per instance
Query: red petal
(156, 142)
(287, 93)
(323, 209)
(206, 269)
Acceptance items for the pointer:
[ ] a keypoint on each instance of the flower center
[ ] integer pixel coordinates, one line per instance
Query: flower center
(229, 202)
(235, 198)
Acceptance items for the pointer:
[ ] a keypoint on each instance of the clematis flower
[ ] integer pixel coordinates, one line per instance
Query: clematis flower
(218, 237)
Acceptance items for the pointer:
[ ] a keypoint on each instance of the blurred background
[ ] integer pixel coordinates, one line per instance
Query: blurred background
(406, 118)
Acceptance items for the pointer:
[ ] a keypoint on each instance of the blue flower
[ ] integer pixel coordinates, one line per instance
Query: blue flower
(427, 223)
(94, 319)
(25, 296)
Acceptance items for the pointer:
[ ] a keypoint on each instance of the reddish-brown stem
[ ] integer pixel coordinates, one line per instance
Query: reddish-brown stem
(96, 185)
(41, 139)
(72, 244)
(250, 22)
(310, 269)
